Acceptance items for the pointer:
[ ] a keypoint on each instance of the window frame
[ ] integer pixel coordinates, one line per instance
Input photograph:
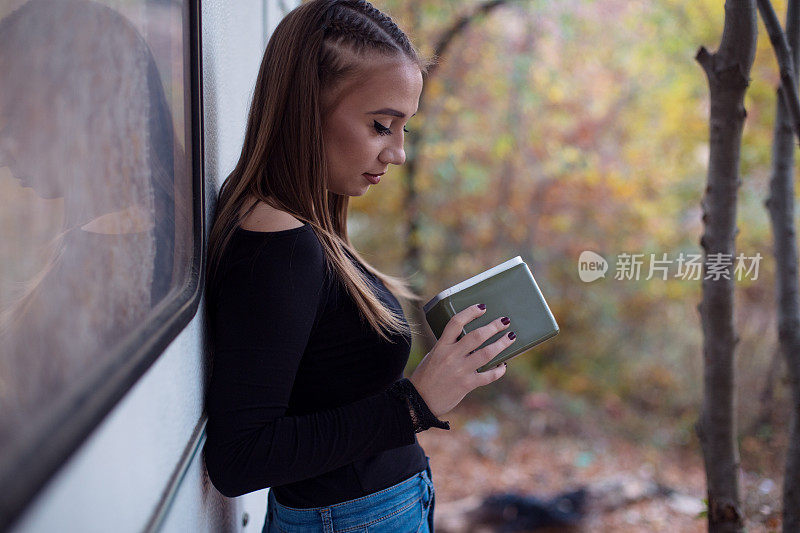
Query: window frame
(57, 434)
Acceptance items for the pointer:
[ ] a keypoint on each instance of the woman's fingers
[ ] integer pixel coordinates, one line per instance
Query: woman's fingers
(484, 378)
(472, 340)
(480, 357)
(456, 324)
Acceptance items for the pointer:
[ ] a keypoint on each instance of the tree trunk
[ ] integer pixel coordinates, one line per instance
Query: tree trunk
(728, 72)
(413, 259)
(413, 255)
(507, 181)
(781, 210)
(766, 398)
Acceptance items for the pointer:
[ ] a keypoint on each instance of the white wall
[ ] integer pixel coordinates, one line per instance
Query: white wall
(116, 480)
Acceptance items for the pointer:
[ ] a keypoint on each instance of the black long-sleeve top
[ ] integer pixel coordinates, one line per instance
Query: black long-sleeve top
(304, 397)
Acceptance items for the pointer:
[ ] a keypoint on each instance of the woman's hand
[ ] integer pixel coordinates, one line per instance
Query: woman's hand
(449, 371)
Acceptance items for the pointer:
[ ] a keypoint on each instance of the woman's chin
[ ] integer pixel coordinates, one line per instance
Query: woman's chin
(351, 192)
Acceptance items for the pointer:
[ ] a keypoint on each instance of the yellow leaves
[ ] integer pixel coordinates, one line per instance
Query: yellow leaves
(578, 384)
(555, 93)
(434, 88)
(539, 76)
(621, 187)
(593, 176)
(571, 154)
(561, 222)
(503, 146)
(678, 289)
(452, 104)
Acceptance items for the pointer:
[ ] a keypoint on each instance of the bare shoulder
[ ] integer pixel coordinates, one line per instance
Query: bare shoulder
(267, 218)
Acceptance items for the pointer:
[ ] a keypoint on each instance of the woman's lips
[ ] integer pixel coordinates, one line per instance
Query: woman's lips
(372, 178)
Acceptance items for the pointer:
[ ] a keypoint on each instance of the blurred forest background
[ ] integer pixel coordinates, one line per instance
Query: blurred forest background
(550, 128)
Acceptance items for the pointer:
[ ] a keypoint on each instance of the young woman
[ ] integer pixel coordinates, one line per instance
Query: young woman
(307, 394)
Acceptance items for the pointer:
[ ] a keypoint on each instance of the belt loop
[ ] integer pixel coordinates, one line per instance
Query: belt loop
(427, 475)
(327, 524)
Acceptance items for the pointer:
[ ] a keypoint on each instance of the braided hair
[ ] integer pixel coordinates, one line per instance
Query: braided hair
(354, 29)
(360, 23)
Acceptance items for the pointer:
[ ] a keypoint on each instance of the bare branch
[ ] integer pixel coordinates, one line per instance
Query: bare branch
(784, 56)
(458, 27)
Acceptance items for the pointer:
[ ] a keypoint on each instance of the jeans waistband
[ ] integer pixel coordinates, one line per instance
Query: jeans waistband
(406, 490)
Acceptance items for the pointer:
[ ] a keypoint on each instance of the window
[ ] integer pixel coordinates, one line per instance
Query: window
(101, 226)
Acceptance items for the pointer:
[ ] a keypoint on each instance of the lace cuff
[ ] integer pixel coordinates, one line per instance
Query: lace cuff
(421, 416)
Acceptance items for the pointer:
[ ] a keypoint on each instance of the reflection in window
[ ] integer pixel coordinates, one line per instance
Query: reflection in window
(95, 191)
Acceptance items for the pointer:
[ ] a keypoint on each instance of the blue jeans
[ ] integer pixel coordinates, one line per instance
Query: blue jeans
(406, 507)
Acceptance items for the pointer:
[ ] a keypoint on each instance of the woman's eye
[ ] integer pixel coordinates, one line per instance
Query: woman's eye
(383, 130)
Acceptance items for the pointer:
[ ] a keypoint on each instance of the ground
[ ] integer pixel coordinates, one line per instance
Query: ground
(527, 444)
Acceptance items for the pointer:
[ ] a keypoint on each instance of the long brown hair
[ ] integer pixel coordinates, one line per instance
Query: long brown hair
(317, 46)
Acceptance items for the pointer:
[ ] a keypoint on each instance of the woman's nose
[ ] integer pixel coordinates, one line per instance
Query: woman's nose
(393, 155)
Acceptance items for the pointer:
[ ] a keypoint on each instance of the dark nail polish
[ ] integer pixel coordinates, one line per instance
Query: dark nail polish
(505, 320)
(512, 335)
(481, 306)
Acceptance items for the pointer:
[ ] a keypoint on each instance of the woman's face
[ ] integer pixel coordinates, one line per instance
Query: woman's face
(34, 146)
(363, 134)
